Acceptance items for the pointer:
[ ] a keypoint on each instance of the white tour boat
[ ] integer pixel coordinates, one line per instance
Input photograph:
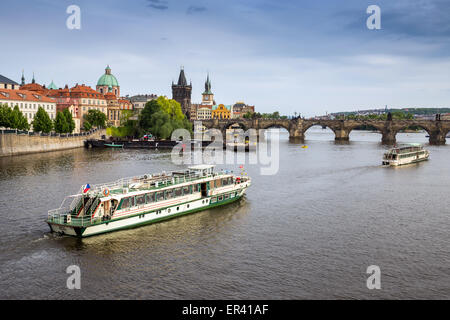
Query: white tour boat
(145, 199)
(405, 154)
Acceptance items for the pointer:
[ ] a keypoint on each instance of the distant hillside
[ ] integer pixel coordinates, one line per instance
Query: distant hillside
(417, 111)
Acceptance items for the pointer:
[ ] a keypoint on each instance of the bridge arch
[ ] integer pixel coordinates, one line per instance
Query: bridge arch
(399, 128)
(231, 123)
(367, 123)
(309, 125)
(275, 125)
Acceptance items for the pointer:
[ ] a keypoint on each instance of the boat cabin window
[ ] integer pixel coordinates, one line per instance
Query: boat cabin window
(225, 182)
(126, 203)
(140, 200)
(178, 192)
(160, 196)
(169, 194)
(186, 190)
(150, 197)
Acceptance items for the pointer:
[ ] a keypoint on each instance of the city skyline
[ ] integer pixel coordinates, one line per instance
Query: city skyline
(287, 56)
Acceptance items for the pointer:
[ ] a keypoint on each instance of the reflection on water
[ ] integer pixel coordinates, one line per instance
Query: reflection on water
(310, 231)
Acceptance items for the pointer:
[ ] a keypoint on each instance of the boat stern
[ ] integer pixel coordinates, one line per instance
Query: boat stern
(64, 229)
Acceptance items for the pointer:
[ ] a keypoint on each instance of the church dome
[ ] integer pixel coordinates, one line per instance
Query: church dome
(108, 79)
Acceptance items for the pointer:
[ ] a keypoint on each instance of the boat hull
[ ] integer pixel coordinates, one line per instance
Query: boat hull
(142, 218)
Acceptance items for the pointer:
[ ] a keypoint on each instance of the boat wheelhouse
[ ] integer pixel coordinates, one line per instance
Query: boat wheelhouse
(405, 154)
(145, 199)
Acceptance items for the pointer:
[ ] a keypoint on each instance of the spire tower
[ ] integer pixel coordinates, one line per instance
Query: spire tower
(181, 92)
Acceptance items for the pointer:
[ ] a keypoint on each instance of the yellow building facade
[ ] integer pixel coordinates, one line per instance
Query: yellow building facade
(221, 112)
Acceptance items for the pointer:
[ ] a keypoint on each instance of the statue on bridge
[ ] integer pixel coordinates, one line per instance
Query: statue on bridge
(389, 116)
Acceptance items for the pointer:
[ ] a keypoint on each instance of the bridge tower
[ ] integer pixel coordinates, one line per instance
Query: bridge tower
(181, 92)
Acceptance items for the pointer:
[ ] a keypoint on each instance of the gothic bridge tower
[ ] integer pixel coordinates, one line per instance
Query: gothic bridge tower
(181, 92)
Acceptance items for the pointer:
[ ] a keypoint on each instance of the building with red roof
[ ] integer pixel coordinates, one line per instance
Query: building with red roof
(28, 102)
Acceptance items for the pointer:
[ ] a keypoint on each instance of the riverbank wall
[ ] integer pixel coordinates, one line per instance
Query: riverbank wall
(16, 142)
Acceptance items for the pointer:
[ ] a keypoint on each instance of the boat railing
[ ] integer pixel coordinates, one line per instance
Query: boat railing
(68, 204)
(150, 182)
(67, 219)
(76, 199)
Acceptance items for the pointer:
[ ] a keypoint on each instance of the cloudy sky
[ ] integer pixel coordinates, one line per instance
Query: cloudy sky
(304, 56)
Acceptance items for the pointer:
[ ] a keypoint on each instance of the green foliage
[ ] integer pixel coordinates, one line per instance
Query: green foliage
(161, 117)
(87, 125)
(422, 111)
(125, 116)
(60, 124)
(119, 132)
(42, 121)
(396, 115)
(247, 115)
(13, 118)
(5, 116)
(64, 122)
(22, 123)
(257, 115)
(69, 120)
(96, 118)
(18, 120)
(168, 106)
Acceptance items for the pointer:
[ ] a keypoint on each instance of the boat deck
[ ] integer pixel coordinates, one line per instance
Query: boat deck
(67, 214)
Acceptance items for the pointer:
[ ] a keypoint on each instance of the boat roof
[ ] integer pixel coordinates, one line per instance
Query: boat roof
(407, 145)
(201, 167)
(410, 145)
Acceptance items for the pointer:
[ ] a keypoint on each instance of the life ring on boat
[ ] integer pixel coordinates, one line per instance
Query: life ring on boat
(106, 192)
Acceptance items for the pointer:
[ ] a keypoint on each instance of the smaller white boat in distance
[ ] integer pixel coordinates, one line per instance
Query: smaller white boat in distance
(405, 154)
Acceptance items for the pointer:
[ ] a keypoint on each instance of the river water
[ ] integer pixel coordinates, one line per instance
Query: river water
(310, 231)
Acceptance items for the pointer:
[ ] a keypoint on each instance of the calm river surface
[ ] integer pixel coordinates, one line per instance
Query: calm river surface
(310, 231)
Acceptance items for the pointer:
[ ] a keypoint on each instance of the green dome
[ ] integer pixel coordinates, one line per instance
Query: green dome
(108, 79)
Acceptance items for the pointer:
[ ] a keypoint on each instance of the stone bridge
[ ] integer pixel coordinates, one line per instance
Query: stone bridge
(437, 130)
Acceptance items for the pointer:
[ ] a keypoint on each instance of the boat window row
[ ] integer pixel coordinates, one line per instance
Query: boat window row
(223, 197)
(223, 182)
(409, 155)
(151, 197)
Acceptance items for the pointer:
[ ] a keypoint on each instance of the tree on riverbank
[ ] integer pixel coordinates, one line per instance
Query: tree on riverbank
(42, 121)
(96, 118)
(87, 126)
(69, 119)
(13, 118)
(161, 117)
(61, 124)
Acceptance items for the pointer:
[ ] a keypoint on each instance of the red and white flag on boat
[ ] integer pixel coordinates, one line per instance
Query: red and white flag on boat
(86, 188)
